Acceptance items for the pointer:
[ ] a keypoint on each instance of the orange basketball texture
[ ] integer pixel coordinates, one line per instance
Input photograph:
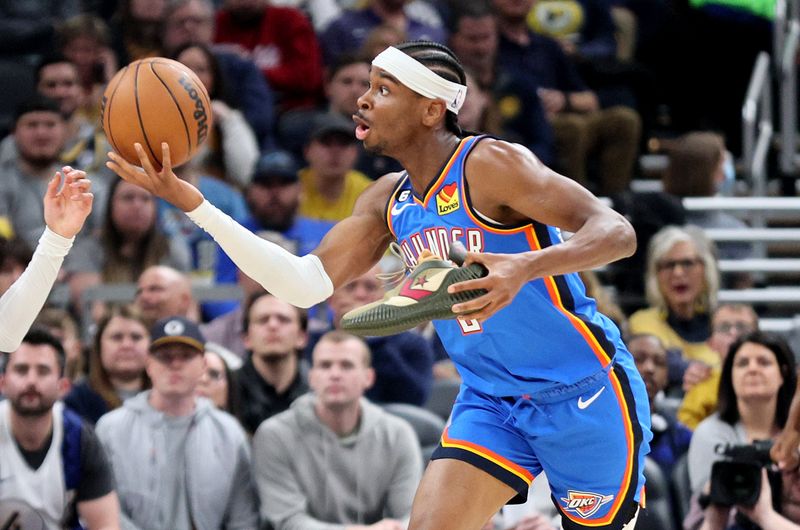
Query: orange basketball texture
(156, 100)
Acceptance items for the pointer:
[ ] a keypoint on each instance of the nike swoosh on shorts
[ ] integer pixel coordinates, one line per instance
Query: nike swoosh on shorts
(583, 404)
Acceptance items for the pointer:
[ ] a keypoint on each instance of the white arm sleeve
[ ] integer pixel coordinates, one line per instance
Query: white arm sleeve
(20, 305)
(300, 281)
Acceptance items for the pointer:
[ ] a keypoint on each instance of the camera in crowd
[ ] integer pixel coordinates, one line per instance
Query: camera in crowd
(736, 480)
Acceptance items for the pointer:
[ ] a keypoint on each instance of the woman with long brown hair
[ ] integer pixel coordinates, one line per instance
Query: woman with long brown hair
(116, 364)
(129, 241)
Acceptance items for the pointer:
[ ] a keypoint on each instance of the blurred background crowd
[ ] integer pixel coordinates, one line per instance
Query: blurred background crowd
(638, 100)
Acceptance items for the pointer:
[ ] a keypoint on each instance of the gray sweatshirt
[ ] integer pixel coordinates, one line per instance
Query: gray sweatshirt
(219, 489)
(310, 479)
(711, 432)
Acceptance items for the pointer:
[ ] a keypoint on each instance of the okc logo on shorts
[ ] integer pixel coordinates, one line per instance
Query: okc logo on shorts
(583, 503)
(447, 199)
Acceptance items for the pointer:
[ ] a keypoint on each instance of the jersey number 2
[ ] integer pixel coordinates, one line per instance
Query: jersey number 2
(469, 326)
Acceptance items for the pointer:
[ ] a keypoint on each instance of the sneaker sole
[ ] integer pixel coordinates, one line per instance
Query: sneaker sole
(388, 319)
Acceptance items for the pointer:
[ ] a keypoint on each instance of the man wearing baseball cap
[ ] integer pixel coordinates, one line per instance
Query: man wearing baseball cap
(179, 462)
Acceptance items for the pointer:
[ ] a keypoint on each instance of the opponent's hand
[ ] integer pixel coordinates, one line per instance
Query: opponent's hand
(164, 183)
(786, 449)
(66, 209)
(504, 280)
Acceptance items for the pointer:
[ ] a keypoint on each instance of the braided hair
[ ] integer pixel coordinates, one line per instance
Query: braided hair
(440, 59)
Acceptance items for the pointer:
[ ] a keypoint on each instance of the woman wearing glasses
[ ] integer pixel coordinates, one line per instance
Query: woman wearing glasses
(681, 283)
(219, 384)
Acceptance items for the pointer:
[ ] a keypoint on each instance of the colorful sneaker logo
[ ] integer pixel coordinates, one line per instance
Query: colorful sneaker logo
(447, 199)
(416, 288)
(583, 503)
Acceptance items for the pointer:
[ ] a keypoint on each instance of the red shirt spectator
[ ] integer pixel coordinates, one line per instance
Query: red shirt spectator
(282, 43)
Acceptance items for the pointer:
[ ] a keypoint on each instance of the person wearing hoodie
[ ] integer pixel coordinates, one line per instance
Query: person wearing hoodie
(361, 465)
(179, 462)
(403, 362)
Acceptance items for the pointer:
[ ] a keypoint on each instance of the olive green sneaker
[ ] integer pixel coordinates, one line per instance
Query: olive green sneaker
(420, 297)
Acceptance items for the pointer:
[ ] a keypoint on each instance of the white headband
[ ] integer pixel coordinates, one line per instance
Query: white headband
(420, 78)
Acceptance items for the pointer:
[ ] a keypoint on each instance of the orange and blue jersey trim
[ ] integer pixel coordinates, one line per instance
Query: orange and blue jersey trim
(503, 469)
(558, 290)
(433, 187)
(624, 505)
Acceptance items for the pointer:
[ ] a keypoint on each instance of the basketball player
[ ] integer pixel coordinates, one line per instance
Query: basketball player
(548, 384)
(65, 211)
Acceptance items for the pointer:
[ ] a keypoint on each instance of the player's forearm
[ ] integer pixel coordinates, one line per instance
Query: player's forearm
(793, 420)
(20, 305)
(300, 281)
(599, 242)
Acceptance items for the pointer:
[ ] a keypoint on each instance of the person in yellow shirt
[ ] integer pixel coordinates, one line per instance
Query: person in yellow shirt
(329, 184)
(681, 283)
(729, 322)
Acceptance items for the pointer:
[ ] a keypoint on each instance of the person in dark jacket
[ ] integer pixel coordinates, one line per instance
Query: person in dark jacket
(274, 374)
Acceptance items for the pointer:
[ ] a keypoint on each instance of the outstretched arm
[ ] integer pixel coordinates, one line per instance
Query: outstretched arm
(523, 189)
(786, 450)
(348, 250)
(65, 211)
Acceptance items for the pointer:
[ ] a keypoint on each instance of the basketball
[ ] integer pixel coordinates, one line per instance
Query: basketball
(156, 100)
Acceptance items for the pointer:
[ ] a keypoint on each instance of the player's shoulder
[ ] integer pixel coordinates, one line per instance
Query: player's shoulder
(492, 153)
(380, 190)
(508, 163)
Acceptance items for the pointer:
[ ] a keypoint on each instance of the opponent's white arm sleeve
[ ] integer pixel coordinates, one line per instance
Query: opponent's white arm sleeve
(300, 281)
(20, 305)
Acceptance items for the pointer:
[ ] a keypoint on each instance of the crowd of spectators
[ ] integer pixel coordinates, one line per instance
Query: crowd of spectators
(252, 413)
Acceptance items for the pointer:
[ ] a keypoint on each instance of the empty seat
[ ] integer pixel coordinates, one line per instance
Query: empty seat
(426, 424)
(681, 486)
(443, 394)
(658, 514)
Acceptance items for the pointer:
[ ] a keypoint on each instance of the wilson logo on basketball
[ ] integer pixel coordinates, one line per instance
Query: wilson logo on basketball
(200, 115)
(584, 504)
(103, 107)
(447, 199)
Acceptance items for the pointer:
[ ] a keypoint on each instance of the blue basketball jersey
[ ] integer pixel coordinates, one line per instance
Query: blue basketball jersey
(550, 335)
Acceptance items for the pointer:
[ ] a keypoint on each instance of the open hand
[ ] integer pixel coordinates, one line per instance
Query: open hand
(164, 183)
(66, 209)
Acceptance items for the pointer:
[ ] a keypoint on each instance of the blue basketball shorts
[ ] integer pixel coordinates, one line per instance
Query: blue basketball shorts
(590, 438)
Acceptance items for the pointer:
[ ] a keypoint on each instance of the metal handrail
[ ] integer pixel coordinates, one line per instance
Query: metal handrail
(778, 24)
(788, 84)
(771, 295)
(749, 235)
(757, 109)
(774, 265)
(762, 204)
(124, 293)
(779, 325)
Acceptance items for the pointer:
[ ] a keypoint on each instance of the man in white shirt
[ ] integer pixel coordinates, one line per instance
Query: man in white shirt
(51, 462)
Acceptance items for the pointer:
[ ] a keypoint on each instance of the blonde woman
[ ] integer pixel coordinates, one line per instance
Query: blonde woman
(681, 285)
